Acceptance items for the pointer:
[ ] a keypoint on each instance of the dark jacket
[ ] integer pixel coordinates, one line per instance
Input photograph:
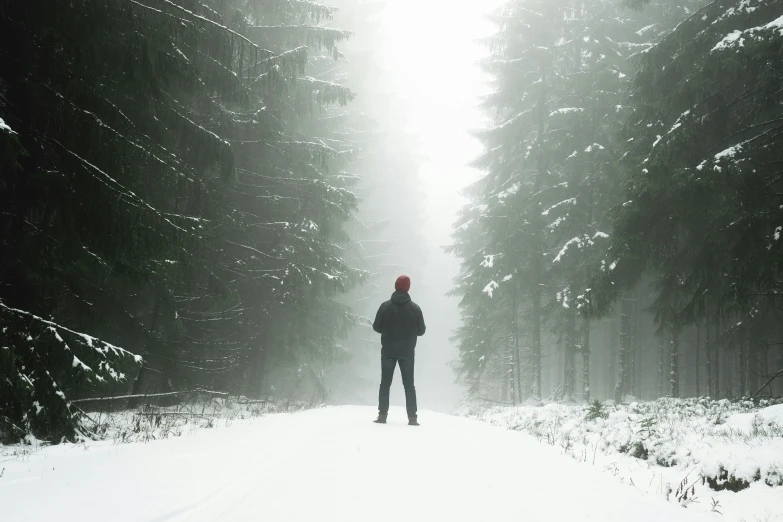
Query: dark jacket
(400, 322)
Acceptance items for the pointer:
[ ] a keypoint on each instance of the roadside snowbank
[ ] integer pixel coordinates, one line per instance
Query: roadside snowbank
(326, 465)
(714, 455)
(150, 422)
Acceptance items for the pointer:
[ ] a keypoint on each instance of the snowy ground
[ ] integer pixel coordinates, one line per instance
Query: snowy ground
(327, 464)
(677, 450)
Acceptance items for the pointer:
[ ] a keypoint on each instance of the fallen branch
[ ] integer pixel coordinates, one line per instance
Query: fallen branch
(496, 402)
(775, 376)
(176, 413)
(151, 395)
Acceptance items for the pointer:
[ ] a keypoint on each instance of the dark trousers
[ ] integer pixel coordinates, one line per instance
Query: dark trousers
(387, 373)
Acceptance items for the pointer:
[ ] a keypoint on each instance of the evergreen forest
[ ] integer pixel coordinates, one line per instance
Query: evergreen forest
(192, 194)
(624, 240)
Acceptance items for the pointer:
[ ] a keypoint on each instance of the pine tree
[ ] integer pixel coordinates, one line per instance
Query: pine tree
(700, 186)
(183, 198)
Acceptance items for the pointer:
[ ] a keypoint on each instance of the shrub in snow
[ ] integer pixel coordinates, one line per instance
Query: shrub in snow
(42, 363)
(730, 444)
(596, 411)
(150, 422)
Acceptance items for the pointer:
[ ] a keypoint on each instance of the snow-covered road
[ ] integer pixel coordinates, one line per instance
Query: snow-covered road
(330, 464)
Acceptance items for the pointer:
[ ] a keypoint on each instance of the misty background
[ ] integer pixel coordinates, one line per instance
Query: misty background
(435, 104)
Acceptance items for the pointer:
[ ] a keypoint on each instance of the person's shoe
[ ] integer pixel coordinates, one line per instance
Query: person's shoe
(381, 419)
(413, 421)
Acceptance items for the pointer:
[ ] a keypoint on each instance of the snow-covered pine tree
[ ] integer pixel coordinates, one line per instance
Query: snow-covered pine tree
(289, 253)
(702, 190)
(101, 213)
(561, 71)
(165, 196)
(517, 160)
(591, 69)
(490, 363)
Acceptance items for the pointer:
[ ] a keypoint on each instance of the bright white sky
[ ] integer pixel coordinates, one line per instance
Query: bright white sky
(434, 46)
(431, 52)
(329, 465)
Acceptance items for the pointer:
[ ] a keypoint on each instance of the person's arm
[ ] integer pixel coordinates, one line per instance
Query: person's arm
(378, 324)
(422, 326)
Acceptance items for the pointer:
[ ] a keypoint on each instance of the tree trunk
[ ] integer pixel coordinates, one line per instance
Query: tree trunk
(586, 359)
(742, 355)
(614, 343)
(753, 362)
(661, 363)
(537, 251)
(717, 342)
(511, 373)
(569, 370)
(698, 347)
(632, 384)
(708, 354)
(779, 346)
(622, 356)
(535, 351)
(674, 362)
(259, 371)
(515, 325)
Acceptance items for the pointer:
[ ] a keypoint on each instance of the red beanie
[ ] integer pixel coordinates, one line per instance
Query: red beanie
(403, 283)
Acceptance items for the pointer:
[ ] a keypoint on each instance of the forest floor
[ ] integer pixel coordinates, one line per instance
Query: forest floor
(325, 464)
(718, 456)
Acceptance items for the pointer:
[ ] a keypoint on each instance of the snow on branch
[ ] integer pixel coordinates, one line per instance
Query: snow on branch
(566, 110)
(211, 22)
(130, 194)
(4, 127)
(99, 346)
(579, 241)
(490, 288)
(327, 93)
(310, 35)
(736, 39)
(569, 201)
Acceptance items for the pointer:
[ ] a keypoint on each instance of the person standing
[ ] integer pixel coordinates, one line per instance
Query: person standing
(400, 323)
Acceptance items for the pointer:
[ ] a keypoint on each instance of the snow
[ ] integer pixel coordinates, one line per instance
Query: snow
(327, 464)
(513, 189)
(594, 145)
(737, 38)
(728, 153)
(91, 341)
(569, 201)
(728, 40)
(643, 30)
(579, 241)
(566, 110)
(669, 446)
(490, 288)
(5, 127)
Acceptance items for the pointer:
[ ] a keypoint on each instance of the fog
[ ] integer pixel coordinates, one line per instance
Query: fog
(429, 73)
(444, 111)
